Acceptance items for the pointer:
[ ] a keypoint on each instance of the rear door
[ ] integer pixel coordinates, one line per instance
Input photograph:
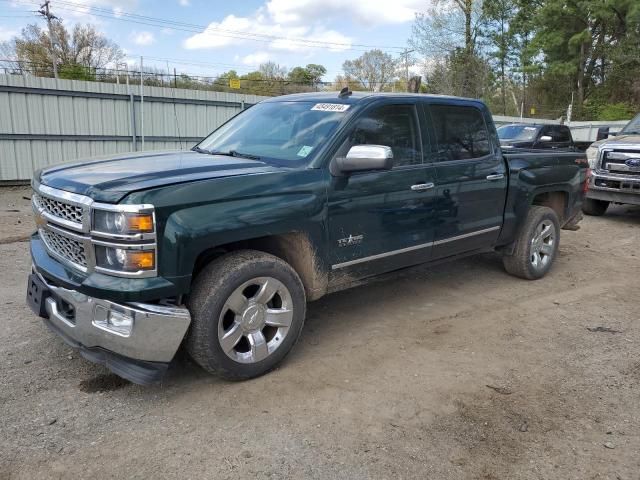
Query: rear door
(382, 220)
(471, 177)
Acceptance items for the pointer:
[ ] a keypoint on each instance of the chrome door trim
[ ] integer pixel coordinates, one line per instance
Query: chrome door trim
(466, 235)
(410, 249)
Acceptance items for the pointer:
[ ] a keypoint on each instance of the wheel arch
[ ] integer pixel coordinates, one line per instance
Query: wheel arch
(295, 248)
(556, 200)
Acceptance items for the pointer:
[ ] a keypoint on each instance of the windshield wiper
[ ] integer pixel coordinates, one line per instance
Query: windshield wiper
(234, 153)
(230, 153)
(200, 150)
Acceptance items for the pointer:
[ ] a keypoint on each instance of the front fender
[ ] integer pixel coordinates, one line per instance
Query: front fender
(198, 216)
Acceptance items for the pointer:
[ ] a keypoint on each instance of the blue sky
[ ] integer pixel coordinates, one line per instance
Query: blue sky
(215, 36)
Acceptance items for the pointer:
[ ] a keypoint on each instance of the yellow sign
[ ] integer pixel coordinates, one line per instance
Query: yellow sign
(234, 82)
(533, 110)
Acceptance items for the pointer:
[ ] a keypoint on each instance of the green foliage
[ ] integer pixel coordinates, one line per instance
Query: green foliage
(76, 72)
(609, 111)
(542, 54)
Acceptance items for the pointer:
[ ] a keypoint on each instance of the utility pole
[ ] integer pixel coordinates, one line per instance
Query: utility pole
(405, 54)
(46, 13)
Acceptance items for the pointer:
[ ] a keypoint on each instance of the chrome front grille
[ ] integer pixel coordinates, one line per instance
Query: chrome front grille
(64, 222)
(67, 248)
(616, 161)
(58, 209)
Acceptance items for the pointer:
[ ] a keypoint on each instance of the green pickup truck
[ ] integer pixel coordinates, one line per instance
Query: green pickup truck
(220, 248)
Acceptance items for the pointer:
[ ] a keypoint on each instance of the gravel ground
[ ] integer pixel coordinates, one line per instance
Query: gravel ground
(458, 371)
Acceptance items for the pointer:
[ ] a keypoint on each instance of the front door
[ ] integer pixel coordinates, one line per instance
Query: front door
(382, 220)
(471, 180)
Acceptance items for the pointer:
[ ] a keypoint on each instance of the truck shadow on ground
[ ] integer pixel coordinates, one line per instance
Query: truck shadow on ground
(352, 303)
(629, 214)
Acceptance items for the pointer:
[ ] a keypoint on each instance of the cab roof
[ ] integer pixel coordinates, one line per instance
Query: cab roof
(358, 96)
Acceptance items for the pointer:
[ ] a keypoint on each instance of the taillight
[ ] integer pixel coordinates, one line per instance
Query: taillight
(585, 187)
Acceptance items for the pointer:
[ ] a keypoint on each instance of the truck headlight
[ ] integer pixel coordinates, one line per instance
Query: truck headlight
(122, 223)
(125, 260)
(592, 157)
(124, 239)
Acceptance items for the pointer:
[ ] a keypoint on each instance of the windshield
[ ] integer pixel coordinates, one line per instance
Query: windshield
(520, 133)
(283, 132)
(633, 126)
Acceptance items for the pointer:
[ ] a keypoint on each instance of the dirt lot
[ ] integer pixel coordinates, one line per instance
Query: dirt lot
(458, 371)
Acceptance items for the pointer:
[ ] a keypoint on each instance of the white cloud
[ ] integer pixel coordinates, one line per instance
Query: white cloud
(117, 12)
(256, 58)
(368, 12)
(143, 38)
(7, 34)
(184, 3)
(224, 34)
(167, 31)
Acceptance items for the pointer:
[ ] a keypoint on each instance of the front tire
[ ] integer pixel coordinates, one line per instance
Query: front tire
(536, 245)
(247, 312)
(594, 207)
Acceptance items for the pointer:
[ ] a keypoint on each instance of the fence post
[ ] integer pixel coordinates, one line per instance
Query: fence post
(141, 105)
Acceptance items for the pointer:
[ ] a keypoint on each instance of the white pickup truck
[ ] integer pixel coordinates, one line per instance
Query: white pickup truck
(615, 166)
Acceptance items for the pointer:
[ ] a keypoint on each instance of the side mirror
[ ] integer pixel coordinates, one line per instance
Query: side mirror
(603, 132)
(366, 157)
(545, 138)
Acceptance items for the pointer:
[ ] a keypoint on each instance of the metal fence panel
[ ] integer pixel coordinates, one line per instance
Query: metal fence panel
(44, 121)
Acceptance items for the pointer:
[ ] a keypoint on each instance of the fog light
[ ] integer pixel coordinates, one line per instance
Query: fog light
(120, 322)
(113, 320)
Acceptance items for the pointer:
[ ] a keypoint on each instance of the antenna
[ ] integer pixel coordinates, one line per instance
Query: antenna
(173, 95)
(345, 92)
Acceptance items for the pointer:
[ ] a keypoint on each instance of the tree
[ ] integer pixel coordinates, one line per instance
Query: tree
(311, 74)
(451, 25)
(589, 45)
(449, 76)
(75, 52)
(498, 15)
(272, 71)
(373, 69)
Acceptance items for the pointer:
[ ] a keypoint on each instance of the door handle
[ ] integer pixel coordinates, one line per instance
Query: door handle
(495, 176)
(419, 187)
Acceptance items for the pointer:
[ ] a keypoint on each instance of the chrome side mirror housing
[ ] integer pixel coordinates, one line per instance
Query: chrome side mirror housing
(366, 157)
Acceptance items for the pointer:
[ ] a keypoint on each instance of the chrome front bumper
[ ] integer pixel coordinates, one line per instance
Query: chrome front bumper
(155, 336)
(614, 188)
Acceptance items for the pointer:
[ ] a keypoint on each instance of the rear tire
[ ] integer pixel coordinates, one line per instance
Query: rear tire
(536, 245)
(247, 312)
(594, 207)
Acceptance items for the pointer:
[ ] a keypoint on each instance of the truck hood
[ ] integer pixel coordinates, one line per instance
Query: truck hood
(619, 141)
(109, 179)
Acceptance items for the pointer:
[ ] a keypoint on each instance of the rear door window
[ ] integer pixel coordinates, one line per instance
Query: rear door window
(461, 133)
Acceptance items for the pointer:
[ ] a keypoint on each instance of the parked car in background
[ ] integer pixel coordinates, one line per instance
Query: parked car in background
(615, 165)
(527, 136)
(221, 247)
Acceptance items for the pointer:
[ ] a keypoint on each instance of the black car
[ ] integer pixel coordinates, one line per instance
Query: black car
(522, 135)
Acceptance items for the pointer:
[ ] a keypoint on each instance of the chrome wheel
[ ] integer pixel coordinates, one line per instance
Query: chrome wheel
(543, 244)
(255, 320)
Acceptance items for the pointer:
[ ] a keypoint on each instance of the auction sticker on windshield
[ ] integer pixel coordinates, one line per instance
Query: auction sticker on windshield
(331, 107)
